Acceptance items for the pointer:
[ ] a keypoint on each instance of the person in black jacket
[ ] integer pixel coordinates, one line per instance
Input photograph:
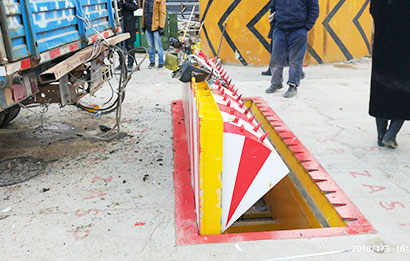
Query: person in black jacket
(292, 19)
(127, 8)
(390, 83)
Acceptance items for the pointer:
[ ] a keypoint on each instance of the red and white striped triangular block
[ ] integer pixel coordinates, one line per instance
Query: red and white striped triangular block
(251, 165)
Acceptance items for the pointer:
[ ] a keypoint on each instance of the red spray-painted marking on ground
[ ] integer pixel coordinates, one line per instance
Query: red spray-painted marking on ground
(392, 205)
(129, 159)
(374, 188)
(83, 234)
(337, 150)
(139, 224)
(79, 214)
(373, 148)
(100, 178)
(325, 140)
(355, 174)
(96, 194)
(79, 234)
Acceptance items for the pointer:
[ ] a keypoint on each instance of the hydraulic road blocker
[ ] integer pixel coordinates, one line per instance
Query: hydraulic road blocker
(246, 176)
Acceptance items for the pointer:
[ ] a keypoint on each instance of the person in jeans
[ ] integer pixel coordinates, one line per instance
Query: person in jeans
(292, 19)
(268, 71)
(153, 23)
(390, 80)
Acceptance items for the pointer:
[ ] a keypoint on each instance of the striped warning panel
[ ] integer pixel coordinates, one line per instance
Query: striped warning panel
(343, 31)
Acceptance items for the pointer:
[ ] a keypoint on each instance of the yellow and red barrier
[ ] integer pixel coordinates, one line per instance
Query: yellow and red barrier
(226, 143)
(238, 152)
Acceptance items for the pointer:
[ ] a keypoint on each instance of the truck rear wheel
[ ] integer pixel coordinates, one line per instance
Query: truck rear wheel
(8, 115)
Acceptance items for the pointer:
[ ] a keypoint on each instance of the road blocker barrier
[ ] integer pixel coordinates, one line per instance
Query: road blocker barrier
(248, 172)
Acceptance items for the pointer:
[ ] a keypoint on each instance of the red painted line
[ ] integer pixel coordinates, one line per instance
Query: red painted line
(185, 220)
(54, 53)
(139, 224)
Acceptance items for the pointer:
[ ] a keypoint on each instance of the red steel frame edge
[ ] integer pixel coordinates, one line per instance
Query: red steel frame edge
(185, 221)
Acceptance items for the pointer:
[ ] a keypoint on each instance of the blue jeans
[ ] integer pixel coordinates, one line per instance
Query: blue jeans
(292, 44)
(154, 39)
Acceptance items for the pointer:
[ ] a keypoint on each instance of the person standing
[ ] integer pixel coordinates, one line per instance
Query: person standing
(268, 71)
(153, 23)
(390, 78)
(127, 8)
(292, 19)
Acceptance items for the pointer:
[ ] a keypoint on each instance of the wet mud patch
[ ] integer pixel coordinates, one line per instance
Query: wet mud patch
(17, 170)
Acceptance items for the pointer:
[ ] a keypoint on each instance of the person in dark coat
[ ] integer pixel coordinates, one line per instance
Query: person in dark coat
(292, 19)
(127, 8)
(390, 80)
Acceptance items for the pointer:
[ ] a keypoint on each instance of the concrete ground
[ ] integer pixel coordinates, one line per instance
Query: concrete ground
(115, 200)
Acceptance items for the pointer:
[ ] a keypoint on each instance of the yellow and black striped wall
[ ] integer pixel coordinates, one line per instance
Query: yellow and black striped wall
(342, 32)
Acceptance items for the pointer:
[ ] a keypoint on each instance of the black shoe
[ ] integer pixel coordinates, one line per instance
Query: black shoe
(381, 125)
(267, 72)
(160, 66)
(151, 65)
(273, 89)
(389, 138)
(118, 68)
(389, 142)
(292, 91)
(303, 75)
(130, 67)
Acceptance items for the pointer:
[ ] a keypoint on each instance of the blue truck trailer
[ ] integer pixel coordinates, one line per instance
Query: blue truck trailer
(54, 51)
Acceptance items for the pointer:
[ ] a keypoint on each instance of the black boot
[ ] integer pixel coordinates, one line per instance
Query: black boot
(389, 138)
(381, 125)
(267, 72)
(273, 88)
(292, 91)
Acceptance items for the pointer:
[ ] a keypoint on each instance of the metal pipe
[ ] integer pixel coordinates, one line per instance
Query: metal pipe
(222, 37)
